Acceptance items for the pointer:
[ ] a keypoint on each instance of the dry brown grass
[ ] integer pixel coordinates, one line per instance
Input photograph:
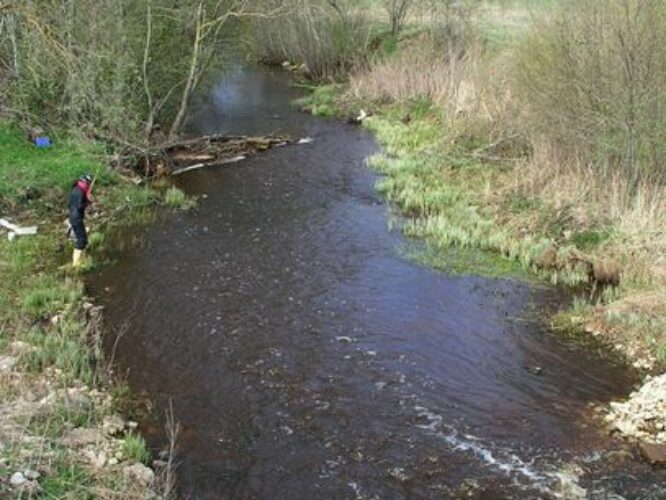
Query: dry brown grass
(632, 318)
(635, 215)
(470, 86)
(415, 72)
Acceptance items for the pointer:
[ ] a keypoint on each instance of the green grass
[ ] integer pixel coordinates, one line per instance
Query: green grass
(176, 198)
(519, 204)
(65, 348)
(59, 419)
(438, 198)
(67, 481)
(31, 288)
(412, 128)
(457, 261)
(50, 293)
(34, 290)
(321, 102)
(135, 448)
(587, 240)
(661, 352)
(95, 240)
(440, 190)
(28, 173)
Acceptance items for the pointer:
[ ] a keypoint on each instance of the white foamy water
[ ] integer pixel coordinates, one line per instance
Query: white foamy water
(561, 483)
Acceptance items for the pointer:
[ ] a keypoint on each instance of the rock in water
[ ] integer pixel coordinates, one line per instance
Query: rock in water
(654, 453)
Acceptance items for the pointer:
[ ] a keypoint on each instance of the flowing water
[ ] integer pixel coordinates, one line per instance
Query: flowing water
(305, 358)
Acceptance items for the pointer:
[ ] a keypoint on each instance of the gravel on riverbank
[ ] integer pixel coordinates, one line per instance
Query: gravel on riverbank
(643, 416)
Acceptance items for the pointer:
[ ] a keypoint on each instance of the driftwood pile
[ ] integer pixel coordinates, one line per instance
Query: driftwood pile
(178, 157)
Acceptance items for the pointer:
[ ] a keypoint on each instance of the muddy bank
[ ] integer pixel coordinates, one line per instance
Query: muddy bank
(303, 355)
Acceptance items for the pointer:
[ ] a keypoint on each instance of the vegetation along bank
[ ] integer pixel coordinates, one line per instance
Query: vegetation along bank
(64, 431)
(528, 130)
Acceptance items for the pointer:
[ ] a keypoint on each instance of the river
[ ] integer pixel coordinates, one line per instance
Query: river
(305, 357)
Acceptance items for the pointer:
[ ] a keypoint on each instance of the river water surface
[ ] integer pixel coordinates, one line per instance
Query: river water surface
(305, 358)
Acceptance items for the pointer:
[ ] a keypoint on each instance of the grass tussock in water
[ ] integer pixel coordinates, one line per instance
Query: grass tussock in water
(53, 375)
(176, 198)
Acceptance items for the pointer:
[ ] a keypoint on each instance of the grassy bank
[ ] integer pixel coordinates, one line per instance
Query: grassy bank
(464, 163)
(61, 431)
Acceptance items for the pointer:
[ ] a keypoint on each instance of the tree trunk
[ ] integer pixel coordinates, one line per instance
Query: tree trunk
(189, 85)
(146, 56)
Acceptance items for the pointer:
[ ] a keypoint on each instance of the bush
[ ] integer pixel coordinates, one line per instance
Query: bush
(420, 71)
(592, 79)
(329, 42)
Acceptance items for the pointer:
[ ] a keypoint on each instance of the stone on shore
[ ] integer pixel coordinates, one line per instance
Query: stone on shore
(643, 416)
(141, 474)
(17, 479)
(82, 437)
(7, 363)
(654, 453)
(113, 425)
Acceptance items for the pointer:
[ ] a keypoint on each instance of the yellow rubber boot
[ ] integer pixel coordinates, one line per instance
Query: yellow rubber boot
(76, 257)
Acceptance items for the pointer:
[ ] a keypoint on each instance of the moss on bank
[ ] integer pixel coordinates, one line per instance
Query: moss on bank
(57, 398)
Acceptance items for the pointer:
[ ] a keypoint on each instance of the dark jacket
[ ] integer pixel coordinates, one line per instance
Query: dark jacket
(78, 202)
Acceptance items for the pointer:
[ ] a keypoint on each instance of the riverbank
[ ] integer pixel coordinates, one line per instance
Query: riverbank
(481, 213)
(499, 137)
(64, 427)
(453, 199)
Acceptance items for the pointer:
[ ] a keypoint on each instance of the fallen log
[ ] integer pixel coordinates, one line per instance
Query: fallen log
(176, 156)
(189, 154)
(193, 157)
(196, 166)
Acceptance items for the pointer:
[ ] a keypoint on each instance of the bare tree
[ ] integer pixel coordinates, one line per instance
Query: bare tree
(209, 23)
(593, 79)
(115, 68)
(397, 11)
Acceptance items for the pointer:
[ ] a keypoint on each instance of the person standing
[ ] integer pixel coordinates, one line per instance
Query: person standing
(79, 200)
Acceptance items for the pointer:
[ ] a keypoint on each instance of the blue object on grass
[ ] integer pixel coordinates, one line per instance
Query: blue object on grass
(42, 142)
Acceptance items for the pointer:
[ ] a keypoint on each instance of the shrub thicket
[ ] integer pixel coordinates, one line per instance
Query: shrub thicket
(592, 81)
(330, 38)
(114, 67)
